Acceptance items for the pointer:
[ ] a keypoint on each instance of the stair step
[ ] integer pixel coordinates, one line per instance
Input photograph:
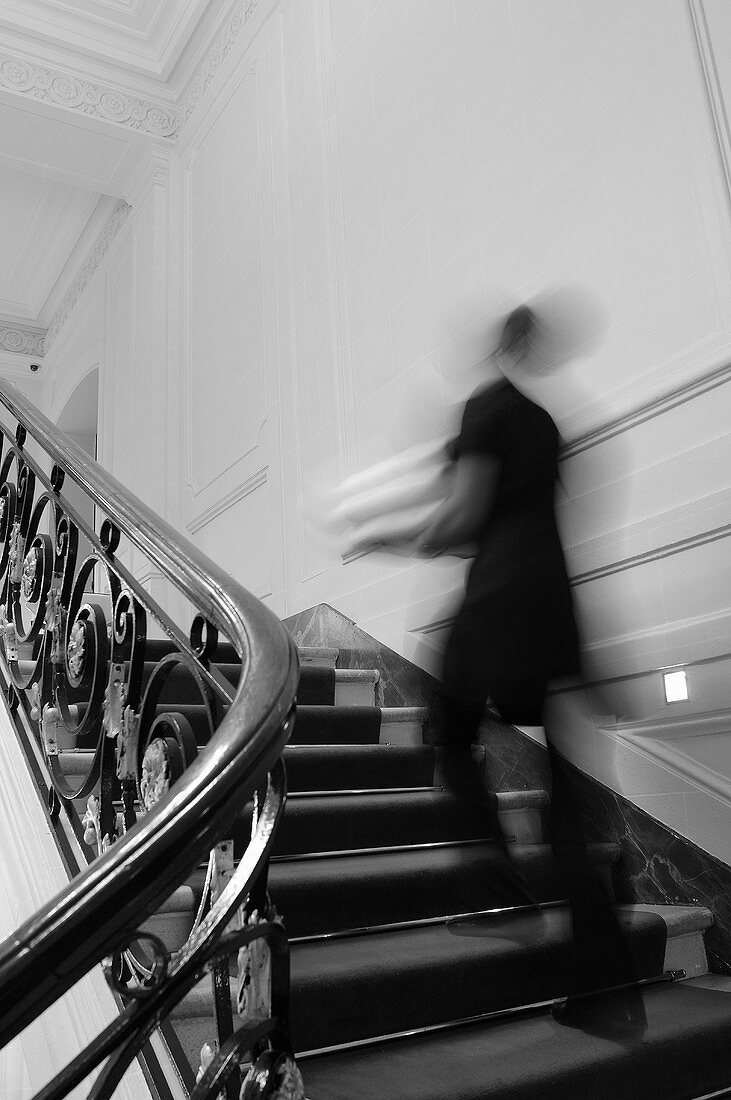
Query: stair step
(193, 1018)
(418, 882)
(333, 822)
(349, 989)
(342, 687)
(320, 685)
(336, 767)
(325, 725)
(353, 891)
(532, 1057)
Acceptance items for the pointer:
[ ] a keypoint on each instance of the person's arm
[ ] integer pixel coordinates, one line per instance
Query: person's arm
(467, 508)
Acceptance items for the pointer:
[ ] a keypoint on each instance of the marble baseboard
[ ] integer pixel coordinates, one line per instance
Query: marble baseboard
(514, 762)
(657, 866)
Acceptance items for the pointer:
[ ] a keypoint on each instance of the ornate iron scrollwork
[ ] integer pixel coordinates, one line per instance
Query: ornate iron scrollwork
(79, 664)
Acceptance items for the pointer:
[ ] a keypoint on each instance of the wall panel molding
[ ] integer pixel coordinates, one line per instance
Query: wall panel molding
(648, 410)
(256, 481)
(702, 538)
(250, 438)
(342, 373)
(716, 99)
(713, 723)
(706, 780)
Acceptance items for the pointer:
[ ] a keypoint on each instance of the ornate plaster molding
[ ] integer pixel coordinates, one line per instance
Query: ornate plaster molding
(236, 21)
(22, 341)
(116, 221)
(109, 104)
(106, 103)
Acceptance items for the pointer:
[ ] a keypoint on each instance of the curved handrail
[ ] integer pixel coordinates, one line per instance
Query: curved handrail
(114, 895)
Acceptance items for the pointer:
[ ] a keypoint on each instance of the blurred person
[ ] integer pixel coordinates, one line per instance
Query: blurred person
(515, 634)
(515, 630)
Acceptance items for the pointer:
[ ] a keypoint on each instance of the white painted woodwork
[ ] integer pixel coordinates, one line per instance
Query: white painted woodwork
(313, 266)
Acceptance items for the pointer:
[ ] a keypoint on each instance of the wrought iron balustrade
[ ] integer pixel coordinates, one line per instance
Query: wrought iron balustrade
(89, 678)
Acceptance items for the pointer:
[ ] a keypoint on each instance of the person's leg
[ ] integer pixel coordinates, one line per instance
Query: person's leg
(455, 713)
(601, 956)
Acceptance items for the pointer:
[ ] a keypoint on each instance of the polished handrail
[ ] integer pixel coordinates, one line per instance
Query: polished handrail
(110, 899)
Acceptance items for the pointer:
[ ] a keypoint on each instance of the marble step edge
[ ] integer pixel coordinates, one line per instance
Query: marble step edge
(318, 655)
(686, 924)
(356, 676)
(402, 725)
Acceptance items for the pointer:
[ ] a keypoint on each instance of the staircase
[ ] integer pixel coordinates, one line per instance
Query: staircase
(418, 971)
(411, 950)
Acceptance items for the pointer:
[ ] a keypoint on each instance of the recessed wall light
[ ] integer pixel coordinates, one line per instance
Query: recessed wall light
(676, 685)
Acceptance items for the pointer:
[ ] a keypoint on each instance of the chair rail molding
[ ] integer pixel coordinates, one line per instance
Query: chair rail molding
(256, 481)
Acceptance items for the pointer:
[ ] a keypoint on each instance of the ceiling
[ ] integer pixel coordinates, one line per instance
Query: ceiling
(86, 86)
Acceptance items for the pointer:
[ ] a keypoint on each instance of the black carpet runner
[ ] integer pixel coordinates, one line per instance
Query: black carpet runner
(376, 870)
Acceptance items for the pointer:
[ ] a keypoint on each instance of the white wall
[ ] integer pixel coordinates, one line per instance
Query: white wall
(307, 277)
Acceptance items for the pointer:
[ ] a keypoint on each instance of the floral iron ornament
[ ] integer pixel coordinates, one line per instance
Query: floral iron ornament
(9, 637)
(76, 649)
(273, 1076)
(30, 569)
(91, 684)
(155, 781)
(91, 822)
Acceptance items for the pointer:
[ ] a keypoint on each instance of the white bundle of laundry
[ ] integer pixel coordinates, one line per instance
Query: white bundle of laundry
(388, 504)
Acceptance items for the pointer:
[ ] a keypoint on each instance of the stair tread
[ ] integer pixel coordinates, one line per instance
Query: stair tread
(333, 821)
(535, 1058)
(318, 896)
(477, 960)
(315, 767)
(425, 946)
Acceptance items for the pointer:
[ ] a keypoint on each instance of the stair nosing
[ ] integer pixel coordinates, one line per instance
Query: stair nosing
(326, 854)
(338, 792)
(451, 1025)
(612, 848)
(422, 922)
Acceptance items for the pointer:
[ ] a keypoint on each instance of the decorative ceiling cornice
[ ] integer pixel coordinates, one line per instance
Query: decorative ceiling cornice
(116, 221)
(94, 99)
(22, 341)
(106, 103)
(206, 71)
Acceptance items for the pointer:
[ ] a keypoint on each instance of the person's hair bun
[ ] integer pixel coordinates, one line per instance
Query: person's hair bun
(518, 329)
